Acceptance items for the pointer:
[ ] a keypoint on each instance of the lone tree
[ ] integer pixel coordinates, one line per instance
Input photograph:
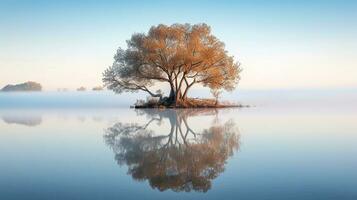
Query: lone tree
(181, 55)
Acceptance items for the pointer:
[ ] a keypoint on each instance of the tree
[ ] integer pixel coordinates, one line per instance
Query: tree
(181, 55)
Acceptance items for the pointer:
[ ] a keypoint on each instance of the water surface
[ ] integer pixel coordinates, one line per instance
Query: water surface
(296, 146)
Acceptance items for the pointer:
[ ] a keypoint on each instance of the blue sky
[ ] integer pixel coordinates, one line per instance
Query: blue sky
(281, 44)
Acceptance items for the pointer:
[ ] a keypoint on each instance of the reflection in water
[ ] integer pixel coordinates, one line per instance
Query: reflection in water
(27, 120)
(181, 159)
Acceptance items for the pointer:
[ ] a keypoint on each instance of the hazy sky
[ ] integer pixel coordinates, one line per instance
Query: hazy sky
(281, 44)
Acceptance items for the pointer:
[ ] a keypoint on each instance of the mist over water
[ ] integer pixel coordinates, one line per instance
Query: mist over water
(106, 99)
(89, 145)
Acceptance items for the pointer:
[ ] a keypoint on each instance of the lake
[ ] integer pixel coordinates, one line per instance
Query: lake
(288, 145)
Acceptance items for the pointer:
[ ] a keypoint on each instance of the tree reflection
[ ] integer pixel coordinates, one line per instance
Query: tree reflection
(181, 159)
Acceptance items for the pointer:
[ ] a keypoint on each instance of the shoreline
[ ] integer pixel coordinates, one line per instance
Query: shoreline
(188, 107)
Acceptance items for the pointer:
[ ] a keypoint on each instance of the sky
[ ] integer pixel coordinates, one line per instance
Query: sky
(280, 44)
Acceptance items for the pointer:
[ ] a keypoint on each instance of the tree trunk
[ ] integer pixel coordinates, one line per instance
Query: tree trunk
(188, 86)
(172, 95)
(177, 97)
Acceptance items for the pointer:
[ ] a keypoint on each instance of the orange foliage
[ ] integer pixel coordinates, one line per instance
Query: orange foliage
(181, 55)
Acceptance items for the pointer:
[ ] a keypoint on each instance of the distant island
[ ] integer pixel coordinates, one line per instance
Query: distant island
(81, 89)
(27, 86)
(97, 88)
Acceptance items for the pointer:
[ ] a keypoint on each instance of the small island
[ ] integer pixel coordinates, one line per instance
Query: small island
(178, 57)
(97, 88)
(81, 89)
(23, 87)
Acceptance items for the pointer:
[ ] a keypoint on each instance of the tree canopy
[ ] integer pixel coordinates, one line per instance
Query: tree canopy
(180, 55)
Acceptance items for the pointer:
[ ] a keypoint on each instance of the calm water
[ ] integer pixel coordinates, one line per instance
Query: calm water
(291, 145)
